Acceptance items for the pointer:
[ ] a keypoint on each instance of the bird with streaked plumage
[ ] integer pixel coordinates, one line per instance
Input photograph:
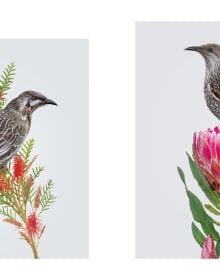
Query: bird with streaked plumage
(211, 55)
(15, 122)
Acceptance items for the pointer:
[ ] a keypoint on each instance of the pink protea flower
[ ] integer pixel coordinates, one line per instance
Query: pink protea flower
(206, 152)
(208, 249)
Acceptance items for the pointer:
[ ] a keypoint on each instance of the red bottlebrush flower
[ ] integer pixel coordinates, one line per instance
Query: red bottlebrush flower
(4, 185)
(34, 225)
(18, 168)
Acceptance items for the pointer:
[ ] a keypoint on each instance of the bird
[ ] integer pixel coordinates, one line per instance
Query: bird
(211, 55)
(15, 122)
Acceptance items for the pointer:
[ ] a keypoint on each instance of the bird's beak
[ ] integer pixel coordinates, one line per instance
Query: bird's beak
(193, 48)
(50, 101)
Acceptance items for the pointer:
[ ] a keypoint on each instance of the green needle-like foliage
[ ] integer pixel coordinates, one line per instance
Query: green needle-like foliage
(26, 149)
(47, 197)
(6, 81)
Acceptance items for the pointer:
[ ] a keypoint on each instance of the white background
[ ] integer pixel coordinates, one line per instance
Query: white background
(110, 27)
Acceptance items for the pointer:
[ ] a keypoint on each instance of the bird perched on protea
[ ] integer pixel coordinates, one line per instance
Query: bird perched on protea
(206, 152)
(15, 122)
(211, 54)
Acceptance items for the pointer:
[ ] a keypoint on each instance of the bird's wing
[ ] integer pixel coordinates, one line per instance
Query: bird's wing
(12, 135)
(215, 89)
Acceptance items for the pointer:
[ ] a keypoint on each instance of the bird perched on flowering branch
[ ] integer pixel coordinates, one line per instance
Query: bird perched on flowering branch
(15, 122)
(22, 199)
(211, 55)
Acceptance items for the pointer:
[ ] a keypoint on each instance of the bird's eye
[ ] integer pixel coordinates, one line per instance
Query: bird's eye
(33, 97)
(210, 50)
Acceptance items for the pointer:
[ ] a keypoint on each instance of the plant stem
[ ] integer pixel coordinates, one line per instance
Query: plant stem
(34, 248)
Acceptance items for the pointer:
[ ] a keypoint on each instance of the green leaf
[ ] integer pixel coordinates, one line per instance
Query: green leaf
(216, 222)
(211, 209)
(8, 212)
(198, 235)
(182, 175)
(201, 216)
(47, 199)
(6, 81)
(198, 212)
(218, 248)
(204, 185)
(26, 149)
(37, 171)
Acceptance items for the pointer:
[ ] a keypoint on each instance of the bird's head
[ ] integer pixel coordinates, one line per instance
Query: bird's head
(28, 101)
(211, 54)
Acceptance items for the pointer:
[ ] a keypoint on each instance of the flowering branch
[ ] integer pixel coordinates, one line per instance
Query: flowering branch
(22, 200)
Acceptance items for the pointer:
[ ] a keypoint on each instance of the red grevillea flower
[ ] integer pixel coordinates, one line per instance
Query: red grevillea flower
(18, 168)
(34, 225)
(206, 152)
(208, 249)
